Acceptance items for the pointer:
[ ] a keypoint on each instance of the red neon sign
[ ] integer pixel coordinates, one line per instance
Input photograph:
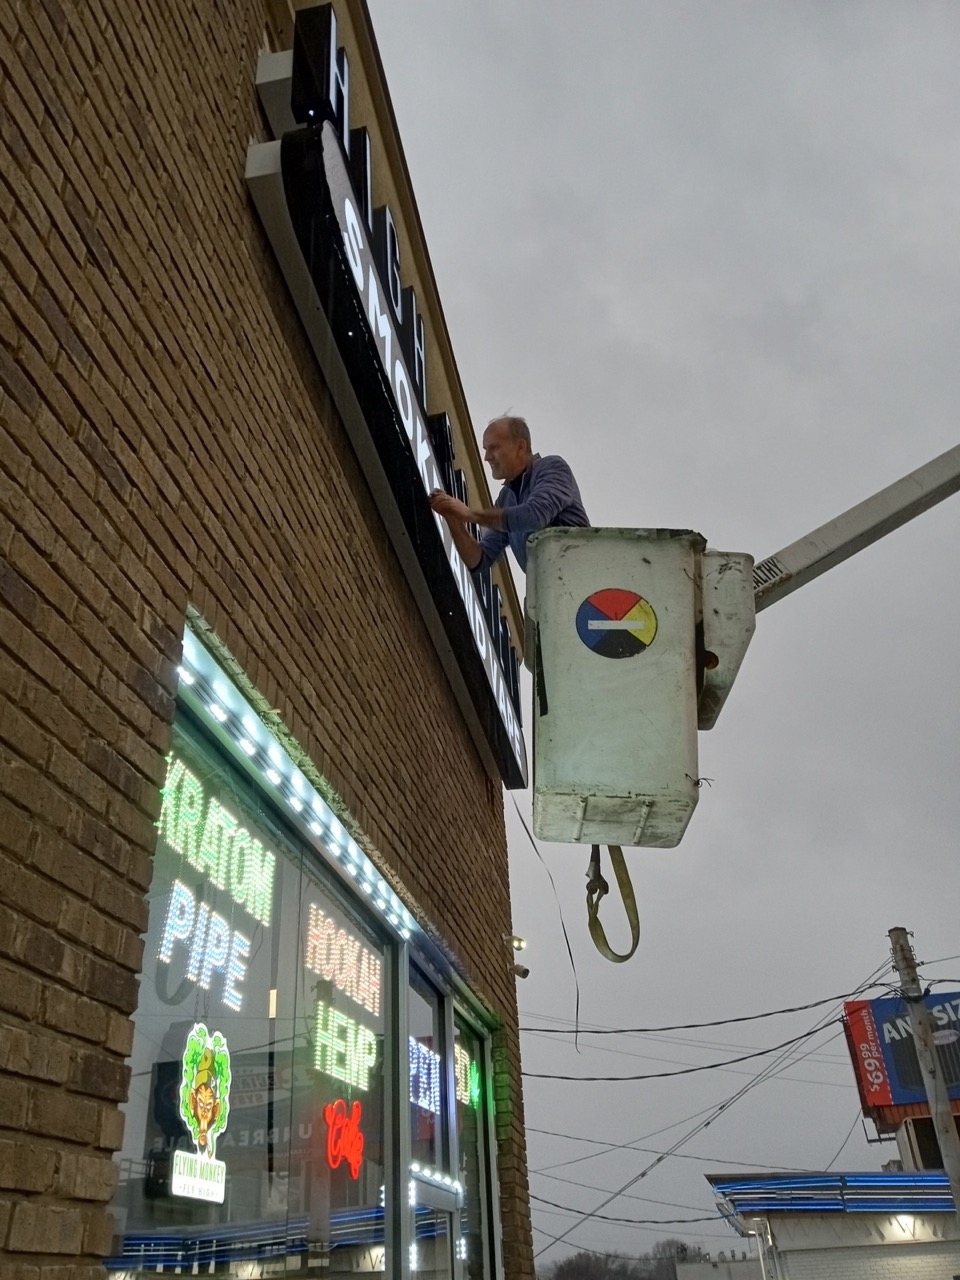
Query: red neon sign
(344, 1139)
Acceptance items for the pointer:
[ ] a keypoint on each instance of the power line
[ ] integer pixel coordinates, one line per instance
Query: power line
(606, 1253)
(665, 1155)
(683, 1071)
(714, 1110)
(827, 1167)
(655, 1038)
(580, 1029)
(630, 1222)
(630, 1146)
(835, 1062)
(641, 1137)
(766, 1073)
(589, 1186)
(698, 1026)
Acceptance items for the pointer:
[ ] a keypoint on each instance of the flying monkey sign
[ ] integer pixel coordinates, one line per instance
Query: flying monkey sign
(204, 1109)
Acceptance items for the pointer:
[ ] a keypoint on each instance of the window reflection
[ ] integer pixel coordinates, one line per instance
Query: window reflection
(471, 1142)
(427, 1074)
(255, 1142)
(432, 1252)
(253, 1136)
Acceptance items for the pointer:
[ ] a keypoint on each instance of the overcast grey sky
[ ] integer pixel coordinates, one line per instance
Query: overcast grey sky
(710, 251)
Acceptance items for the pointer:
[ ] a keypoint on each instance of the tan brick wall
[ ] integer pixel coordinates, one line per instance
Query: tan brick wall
(166, 440)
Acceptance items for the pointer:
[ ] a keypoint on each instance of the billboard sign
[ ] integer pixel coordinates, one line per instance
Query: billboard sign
(885, 1057)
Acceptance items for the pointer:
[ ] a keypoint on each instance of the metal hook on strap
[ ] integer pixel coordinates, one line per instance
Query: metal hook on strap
(597, 888)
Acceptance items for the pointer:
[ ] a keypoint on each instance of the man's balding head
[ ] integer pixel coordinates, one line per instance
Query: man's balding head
(506, 447)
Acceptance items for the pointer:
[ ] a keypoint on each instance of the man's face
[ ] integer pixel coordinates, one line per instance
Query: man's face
(505, 455)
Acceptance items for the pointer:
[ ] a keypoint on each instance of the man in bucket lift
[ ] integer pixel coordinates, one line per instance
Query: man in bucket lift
(537, 493)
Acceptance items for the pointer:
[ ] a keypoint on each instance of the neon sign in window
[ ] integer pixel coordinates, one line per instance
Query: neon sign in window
(338, 957)
(344, 1139)
(425, 1068)
(343, 1048)
(424, 1077)
(467, 1077)
(213, 946)
(213, 841)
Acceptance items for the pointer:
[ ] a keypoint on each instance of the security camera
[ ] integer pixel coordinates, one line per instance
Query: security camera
(521, 970)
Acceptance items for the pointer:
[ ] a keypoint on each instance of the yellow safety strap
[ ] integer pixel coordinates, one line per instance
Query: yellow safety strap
(597, 888)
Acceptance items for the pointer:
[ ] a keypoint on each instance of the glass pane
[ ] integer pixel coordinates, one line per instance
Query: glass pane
(337, 1162)
(203, 1140)
(254, 1130)
(471, 1136)
(432, 1254)
(427, 1074)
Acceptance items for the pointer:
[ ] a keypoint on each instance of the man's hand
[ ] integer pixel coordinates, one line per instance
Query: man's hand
(458, 515)
(444, 504)
(455, 510)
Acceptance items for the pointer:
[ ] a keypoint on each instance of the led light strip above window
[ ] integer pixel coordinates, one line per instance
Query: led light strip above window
(223, 708)
(435, 1178)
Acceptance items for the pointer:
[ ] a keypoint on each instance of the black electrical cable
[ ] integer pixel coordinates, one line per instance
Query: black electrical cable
(724, 1106)
(683, 1071)
(768, 1071)
(636, 1222)
(606, 1253)
(652, 1151)
(697, 1026)
(772, 1069)
(618, 1049)
(725, 1022)
(856, 1118)
(563, 925)
(590, 1186)
(632, 1143)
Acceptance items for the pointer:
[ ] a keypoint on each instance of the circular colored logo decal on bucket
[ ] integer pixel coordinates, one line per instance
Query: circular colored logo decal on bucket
(616, 623)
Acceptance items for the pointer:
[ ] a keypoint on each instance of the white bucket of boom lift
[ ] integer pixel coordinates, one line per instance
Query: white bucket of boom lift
(618, 621)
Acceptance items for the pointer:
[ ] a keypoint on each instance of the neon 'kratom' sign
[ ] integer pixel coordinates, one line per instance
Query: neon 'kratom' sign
(212, 841)
(204, 1108)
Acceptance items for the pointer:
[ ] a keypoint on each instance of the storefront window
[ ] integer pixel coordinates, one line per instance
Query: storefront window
(433, 1200)
(254, 1128)
(432, 1252)
(427, 1074)
(471, 1141)
(337, 1174)
(256, 1142)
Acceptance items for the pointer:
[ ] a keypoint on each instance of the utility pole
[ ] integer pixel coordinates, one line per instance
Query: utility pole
(922, 1026)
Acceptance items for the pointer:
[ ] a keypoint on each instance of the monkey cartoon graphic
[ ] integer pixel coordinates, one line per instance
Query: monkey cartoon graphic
(205, 1087)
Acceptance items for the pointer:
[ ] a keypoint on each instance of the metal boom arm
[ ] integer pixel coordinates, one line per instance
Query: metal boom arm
(836, 541)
